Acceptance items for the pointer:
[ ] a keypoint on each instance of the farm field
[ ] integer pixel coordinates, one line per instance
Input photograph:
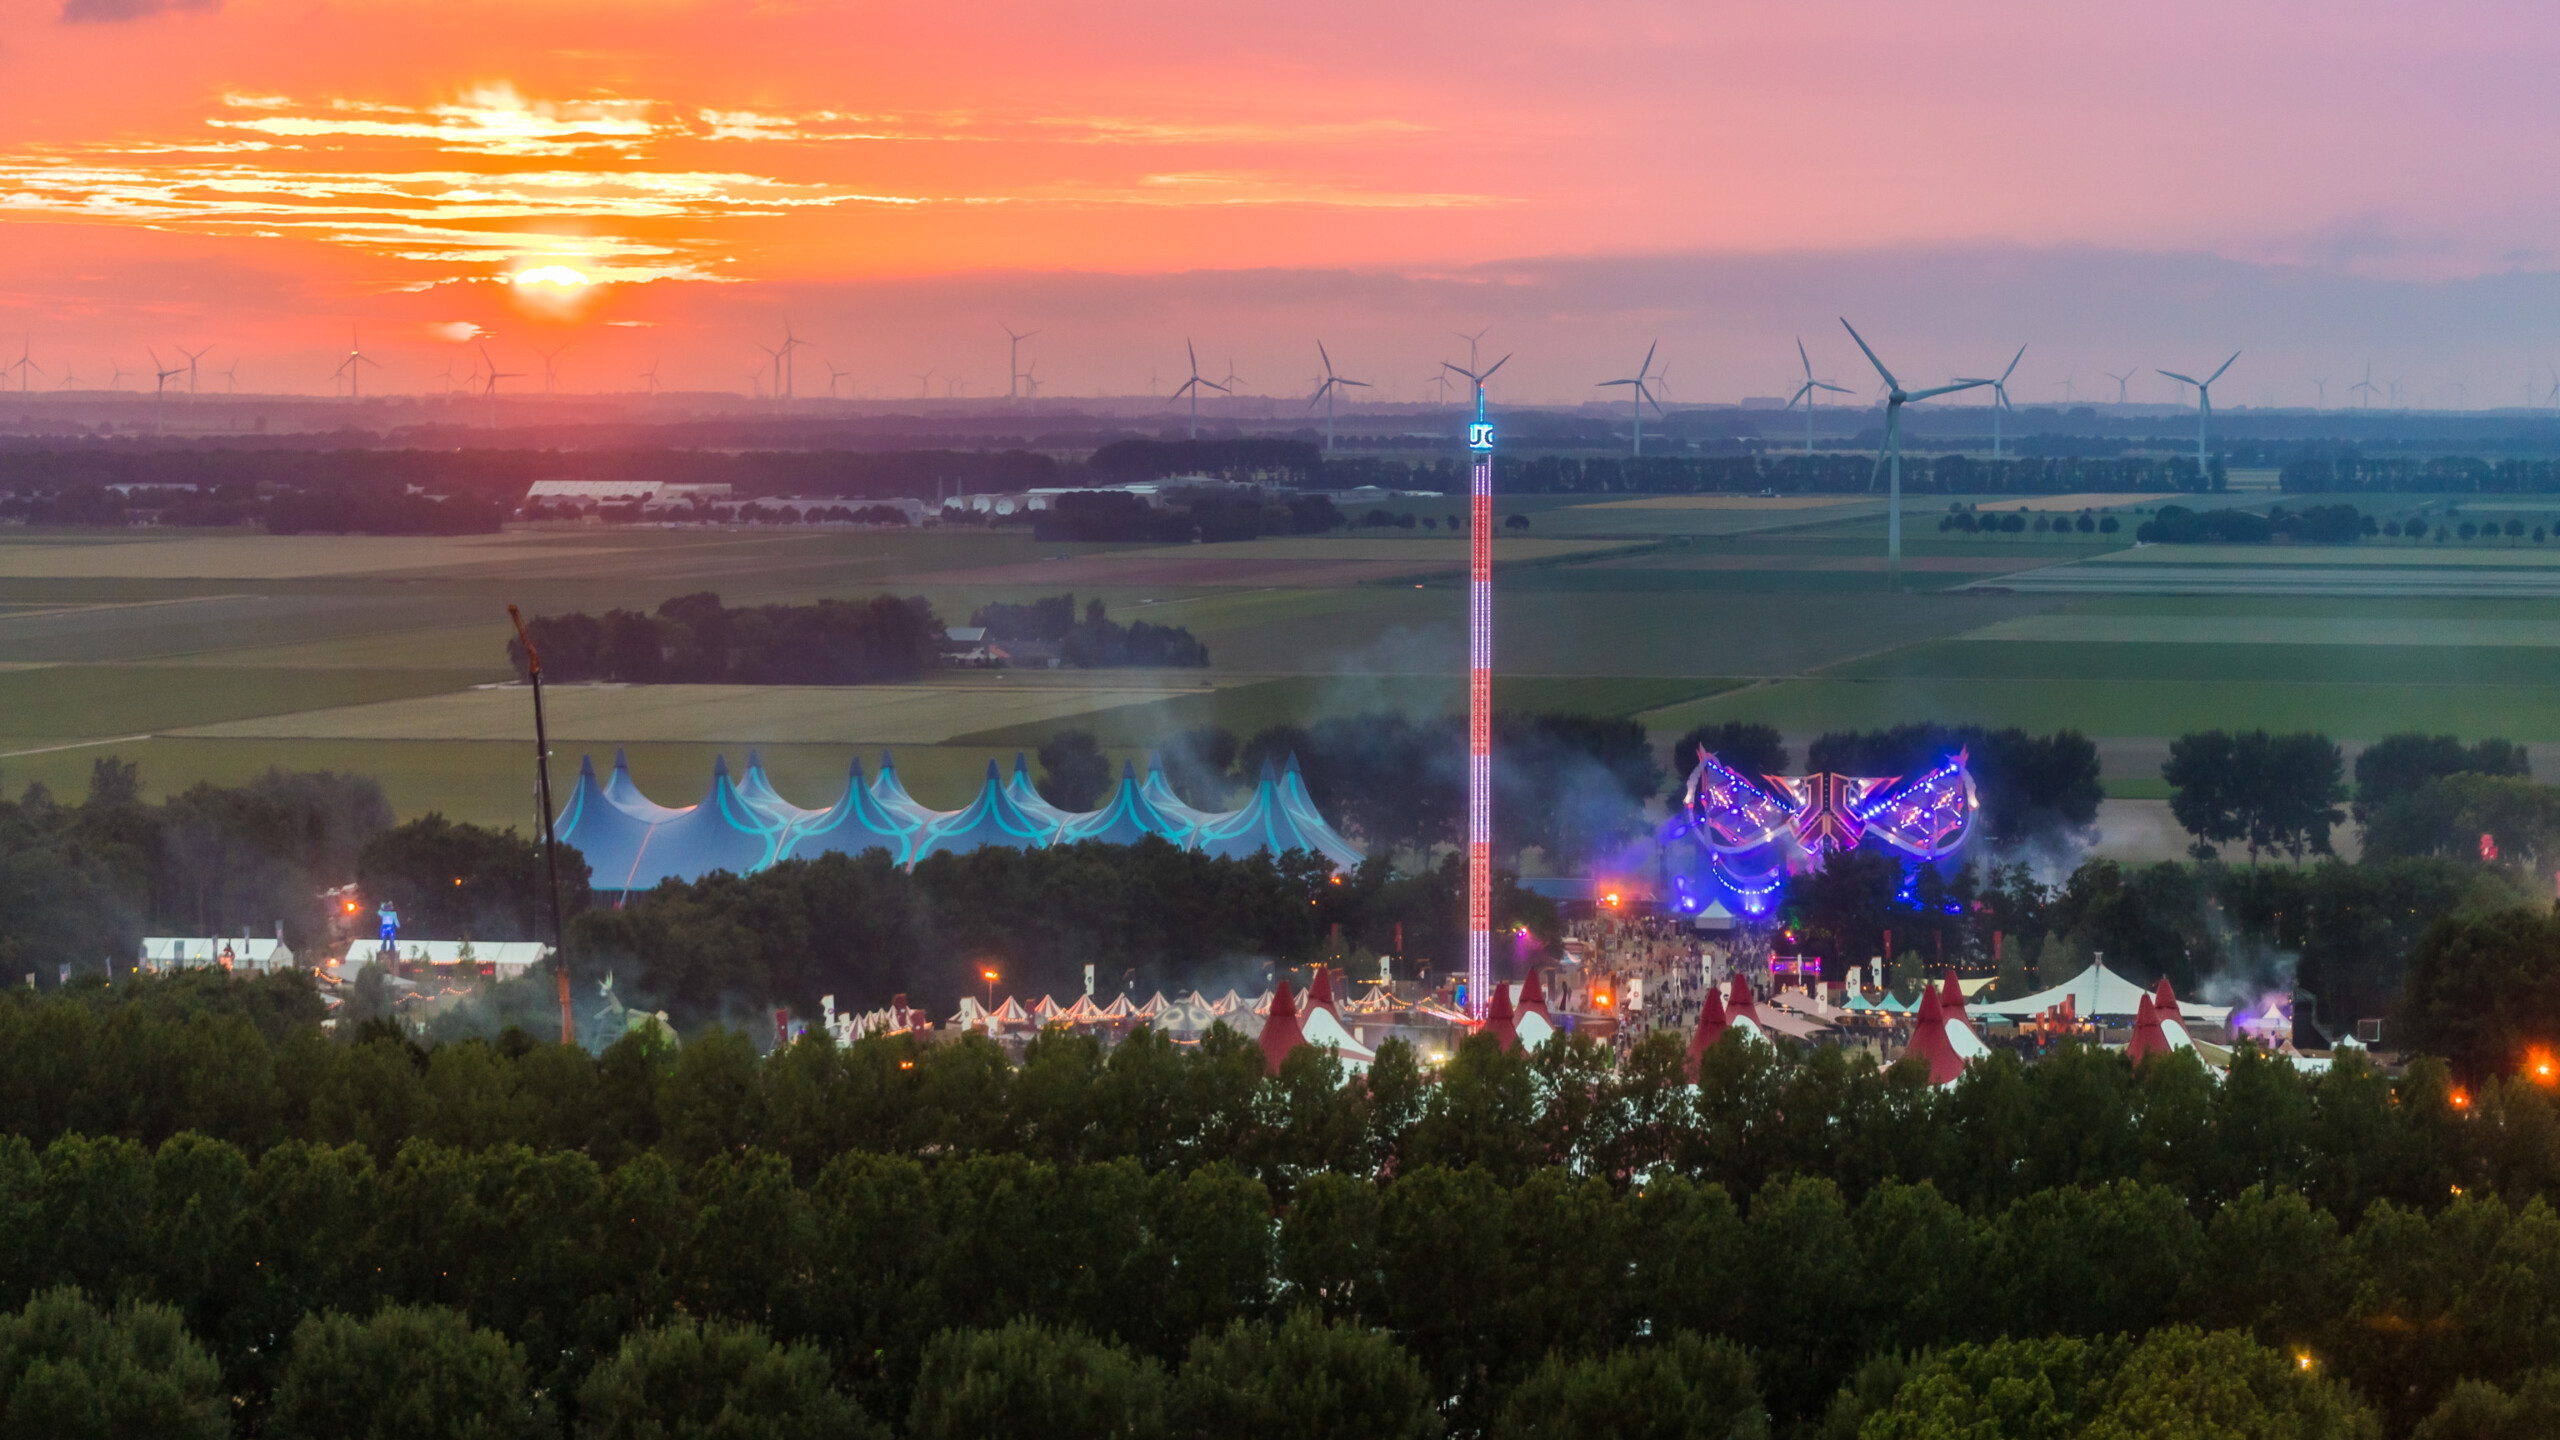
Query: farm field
(215, 656)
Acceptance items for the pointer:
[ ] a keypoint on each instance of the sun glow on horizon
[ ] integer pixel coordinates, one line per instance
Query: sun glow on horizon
(559, 275)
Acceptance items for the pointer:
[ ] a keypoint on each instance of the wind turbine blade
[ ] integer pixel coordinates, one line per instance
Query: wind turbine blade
(1871, 354)
(1496, 365)
(2174, 375)
(1194, 353)
(1834, 389)
(1605, 384)
(1328, 360)
(1363, 384)
(1944, 389)
(1801, 391)
(2013, 364)
(1807, 359)
(1647, 366)
(2216, 375)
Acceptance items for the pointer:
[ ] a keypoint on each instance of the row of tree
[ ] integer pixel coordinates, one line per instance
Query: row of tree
(1093, 640)
(694, 639)
(1147, 917)
(1816, 1213)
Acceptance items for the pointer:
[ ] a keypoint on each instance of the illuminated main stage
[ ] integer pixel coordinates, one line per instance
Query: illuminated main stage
(1737, 838)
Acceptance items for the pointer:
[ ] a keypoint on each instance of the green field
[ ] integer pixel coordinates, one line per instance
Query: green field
(215, 656)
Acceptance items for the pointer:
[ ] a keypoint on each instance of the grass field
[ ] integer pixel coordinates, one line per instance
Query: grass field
(215, 656)
(2134, 707)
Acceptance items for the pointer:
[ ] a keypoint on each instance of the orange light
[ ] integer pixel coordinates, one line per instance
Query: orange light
(2461, 1099)
(1337, 879)
(906, 1064)
(457, 879)
(2540, 1067)
(1613, 899)
(1604, 999)
(986, 974)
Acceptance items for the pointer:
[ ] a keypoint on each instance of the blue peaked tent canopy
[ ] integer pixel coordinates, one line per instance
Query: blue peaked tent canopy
(622, 792)
(859, 822)
(1267, 824)
(1310, 821)
(758, 792)
(991, 819)
(1160, 795)
(603, 830)
(1019, 790)
(1128, 818)
(744, 825)
(889, 792)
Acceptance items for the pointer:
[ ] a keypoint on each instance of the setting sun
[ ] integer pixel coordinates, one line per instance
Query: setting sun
(559, 275)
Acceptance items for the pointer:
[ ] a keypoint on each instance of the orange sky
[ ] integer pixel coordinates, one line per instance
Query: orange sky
(263, 174)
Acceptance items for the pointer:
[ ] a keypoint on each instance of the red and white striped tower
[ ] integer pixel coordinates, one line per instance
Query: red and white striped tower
(1480, 706)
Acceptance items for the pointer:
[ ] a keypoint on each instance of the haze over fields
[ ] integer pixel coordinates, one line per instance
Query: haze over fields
(2127, 186)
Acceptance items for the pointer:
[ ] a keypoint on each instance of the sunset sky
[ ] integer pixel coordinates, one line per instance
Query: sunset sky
(2318, 184)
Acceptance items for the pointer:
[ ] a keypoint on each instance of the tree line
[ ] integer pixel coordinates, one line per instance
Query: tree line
(1147, 917)
(2347, 467)
(941, 1242)
(694, 639)
(1093, 640)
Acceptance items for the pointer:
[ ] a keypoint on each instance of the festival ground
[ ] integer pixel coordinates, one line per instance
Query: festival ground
(211, 657)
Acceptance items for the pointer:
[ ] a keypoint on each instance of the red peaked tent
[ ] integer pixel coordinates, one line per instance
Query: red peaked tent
(1929, 1039)
(1711, 1027)
(1498, 1021)
(2148, 1038)
(1740, 1005)
(1951, 999)
(2167, 1000)
(1533, 1000)
(1280, 1032)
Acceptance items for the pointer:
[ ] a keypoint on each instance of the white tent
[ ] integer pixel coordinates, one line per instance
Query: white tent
(1322, 1027)
(2094, 991)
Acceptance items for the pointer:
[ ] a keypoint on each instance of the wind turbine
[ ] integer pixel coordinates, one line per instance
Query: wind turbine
(1324, 392)
(1012, 358)
(24, 363)
(1031, 381)
(1230, 388)
(1471, 350)
(2120, 382)
(924, 385)
(833, 375)
(2365, 386)
(1475, 379)
(1642, 394)
(649, 378)
(352, 367)
(490, 391)
(115, 375)
(777, 355)
(786, 372)
(548, 374)
(231, 378)
(2070, 386)
(1895, 398)
(1809, 392)
(2204, 404)
(2000, 397)
(160, 394)
(1440, 378)
(1192, 387)
(192, 357)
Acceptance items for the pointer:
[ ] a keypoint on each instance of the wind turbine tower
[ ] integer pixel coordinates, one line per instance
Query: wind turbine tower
(352, 367)
(1809, 392)
(1324, 392)
(1480, 702)
(2365, 386)
(192, 357)
(1012, 360)
(1642, 394)
(2000, 397)
(1192, 387)
(1895, 398)
(2204, 407)
(2121, 381)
